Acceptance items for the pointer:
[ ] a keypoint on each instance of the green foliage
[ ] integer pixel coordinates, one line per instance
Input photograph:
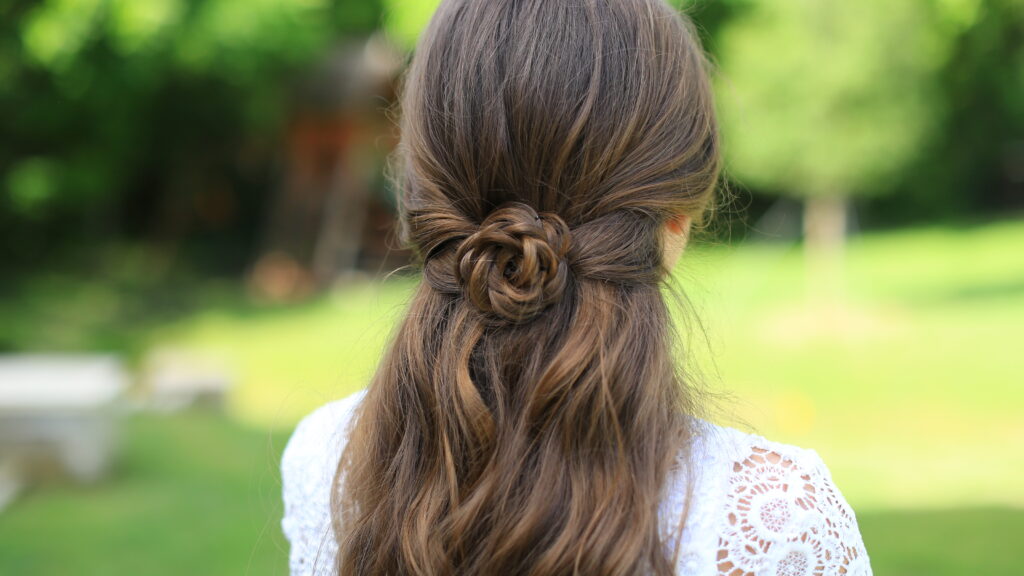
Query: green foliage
(31, 184)
(234, 38)
(120, 115)
(975, 160)
(120, 112)
(405, 19)
(826, 96)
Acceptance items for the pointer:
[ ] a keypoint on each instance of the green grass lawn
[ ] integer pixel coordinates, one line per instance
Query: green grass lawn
(193, 493)
(197, 494)
(911, 391)
(917, 376)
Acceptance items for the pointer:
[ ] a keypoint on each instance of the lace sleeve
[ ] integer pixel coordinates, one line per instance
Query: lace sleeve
(785, 517)
(307, 474)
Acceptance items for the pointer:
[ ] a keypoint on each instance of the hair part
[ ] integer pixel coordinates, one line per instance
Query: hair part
(527, 412)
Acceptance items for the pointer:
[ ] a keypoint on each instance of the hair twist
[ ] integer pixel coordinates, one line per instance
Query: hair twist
(515, 265)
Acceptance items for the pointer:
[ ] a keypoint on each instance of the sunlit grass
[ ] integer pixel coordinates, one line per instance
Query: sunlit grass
(909, 387)
(912, 391)
(288, 361)
(192, 493)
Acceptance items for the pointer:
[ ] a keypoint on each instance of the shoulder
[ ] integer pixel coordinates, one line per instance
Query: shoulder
(314, 447)
(319, 432)
(767, 507)
(308, 464)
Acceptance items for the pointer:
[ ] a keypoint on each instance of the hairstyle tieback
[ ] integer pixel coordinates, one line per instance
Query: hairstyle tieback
(516, 264)
(518, 261)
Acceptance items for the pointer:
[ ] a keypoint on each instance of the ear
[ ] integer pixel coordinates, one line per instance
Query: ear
(677, 230)
(679, 224)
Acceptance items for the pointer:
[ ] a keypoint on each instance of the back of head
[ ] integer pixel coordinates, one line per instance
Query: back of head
(526, 414)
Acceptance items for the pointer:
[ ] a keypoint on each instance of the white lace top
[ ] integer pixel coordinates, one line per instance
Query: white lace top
(758, 507)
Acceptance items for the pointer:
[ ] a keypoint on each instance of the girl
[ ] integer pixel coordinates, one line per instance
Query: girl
(528, 417)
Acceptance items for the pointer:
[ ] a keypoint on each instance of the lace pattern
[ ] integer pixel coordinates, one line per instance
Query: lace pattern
(307, 474)
(783, 515)
(755, 507)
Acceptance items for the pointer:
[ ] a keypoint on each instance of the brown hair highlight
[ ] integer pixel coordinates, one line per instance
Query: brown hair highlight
(527, 413)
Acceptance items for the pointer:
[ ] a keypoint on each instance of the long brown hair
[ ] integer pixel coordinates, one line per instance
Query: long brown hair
(526, 415)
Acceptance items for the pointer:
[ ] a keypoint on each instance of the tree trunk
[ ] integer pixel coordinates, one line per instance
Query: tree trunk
(825, 239)
(341, 234)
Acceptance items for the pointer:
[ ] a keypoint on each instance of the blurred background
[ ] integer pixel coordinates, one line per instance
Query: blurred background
(196, 249)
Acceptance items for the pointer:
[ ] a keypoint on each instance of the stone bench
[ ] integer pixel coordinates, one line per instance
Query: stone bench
(58, 415)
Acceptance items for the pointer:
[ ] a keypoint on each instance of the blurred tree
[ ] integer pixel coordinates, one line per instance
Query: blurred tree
(405, 19)
(163, 120)
(154, 119)
(825, 99)
(975, 163)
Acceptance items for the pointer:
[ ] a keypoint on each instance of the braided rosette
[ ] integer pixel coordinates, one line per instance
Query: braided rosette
(515, 265)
